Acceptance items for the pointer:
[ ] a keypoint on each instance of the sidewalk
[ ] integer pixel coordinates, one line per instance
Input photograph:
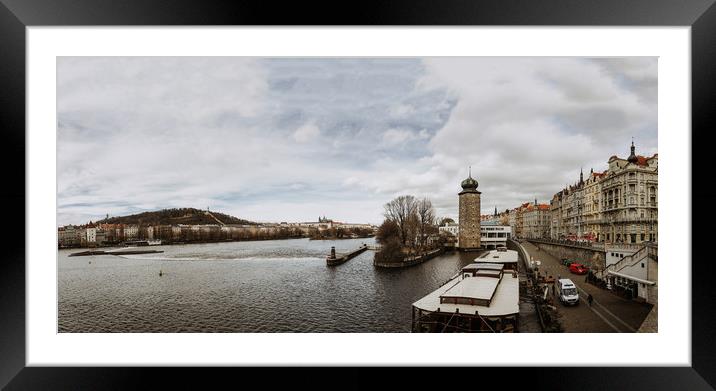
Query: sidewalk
(626, 315)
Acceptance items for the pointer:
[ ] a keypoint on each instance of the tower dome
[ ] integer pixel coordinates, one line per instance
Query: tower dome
(469, 183)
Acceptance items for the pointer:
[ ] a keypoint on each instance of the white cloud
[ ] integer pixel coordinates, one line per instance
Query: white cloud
(291, 139)
(402, 110)
(306, 133)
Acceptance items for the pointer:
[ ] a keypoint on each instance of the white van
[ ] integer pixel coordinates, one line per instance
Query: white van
(567, 292)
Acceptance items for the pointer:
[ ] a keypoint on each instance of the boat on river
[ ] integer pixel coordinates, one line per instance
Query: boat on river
(482, 297)
(143, 243)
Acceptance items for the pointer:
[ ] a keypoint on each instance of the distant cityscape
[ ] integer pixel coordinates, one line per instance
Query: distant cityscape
(97, 234)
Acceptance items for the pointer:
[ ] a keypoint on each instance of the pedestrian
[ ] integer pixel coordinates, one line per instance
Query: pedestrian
(589, 299)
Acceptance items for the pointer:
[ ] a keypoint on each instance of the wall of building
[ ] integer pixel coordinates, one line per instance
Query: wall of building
(616, 255)
(591, 258)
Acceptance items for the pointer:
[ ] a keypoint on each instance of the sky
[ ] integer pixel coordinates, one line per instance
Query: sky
(292, 139)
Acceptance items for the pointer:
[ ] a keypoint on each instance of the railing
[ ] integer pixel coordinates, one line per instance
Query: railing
(650, 220)
(571, 243)
(596, 246)
(647, 251)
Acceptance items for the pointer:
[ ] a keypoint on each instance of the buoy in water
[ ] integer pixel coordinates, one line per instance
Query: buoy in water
(160, 273)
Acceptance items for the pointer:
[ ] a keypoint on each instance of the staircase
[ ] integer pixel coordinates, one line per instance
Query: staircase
(648, 251)
(214, 217)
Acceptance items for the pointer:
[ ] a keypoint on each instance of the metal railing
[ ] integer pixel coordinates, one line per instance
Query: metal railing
(647, 251)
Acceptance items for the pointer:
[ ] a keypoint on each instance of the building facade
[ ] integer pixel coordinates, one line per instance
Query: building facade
(619, 205)
(493, 235)
(536, 221)
(469, 212)
(629, 199)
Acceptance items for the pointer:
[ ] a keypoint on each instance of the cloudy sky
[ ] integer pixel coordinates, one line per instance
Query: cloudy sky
(285, 139)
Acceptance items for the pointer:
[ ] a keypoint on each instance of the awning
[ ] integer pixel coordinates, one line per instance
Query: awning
(632, 278)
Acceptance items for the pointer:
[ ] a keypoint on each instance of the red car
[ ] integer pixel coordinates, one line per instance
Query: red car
(578, 268)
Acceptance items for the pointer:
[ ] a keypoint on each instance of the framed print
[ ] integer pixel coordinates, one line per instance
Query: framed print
(398, 185)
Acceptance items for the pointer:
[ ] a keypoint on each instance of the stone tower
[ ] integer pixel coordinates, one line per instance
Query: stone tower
(469, 234)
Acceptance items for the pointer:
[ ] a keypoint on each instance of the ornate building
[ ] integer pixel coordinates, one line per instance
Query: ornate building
(619, 205)
(629, 198)
(469, 230)
(536, 221)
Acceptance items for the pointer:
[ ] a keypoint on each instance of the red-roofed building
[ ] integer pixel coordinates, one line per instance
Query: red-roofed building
(536, 221)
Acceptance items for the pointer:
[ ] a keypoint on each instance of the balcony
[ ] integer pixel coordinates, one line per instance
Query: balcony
(618, 220)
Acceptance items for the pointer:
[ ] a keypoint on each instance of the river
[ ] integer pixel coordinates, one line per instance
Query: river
(262, 286)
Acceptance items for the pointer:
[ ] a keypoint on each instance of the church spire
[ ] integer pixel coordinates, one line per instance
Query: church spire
(632, 158)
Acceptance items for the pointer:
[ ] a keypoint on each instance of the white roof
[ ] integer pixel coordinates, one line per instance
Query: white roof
(504, 302)
(566, 282)
(488, 272)
(494, 256)
(473, 288)
(484, 266)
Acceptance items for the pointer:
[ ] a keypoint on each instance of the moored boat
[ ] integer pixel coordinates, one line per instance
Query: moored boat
(482, 297)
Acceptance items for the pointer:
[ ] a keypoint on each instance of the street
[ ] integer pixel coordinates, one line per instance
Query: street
(608, 313)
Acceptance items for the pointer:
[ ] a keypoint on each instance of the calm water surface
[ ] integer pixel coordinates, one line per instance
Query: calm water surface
(265, 286)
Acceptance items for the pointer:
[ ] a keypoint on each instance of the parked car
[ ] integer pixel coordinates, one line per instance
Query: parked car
(578, 268)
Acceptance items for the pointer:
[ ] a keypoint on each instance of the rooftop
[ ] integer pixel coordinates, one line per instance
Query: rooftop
(505, 297)
(473, 288)
(484, 266)
(495, 256)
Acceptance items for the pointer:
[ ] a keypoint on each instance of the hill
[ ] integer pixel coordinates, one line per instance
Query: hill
(176, 216)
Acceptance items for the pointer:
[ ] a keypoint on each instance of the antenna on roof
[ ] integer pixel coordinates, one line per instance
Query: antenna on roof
(469, 171)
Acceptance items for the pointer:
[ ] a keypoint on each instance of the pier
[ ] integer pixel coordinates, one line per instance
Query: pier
(334, 259)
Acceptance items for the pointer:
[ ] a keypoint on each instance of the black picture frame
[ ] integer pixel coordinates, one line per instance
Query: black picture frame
(16, 15)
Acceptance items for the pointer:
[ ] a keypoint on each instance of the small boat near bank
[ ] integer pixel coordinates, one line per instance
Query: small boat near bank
(143, 243)
(482, 297)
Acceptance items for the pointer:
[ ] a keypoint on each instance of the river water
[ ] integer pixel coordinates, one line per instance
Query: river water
(262, 286)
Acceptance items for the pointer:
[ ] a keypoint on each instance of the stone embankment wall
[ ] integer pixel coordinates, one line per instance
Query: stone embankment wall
(590, 258)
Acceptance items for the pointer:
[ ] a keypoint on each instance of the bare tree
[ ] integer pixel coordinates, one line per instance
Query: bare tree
(402, 211)
(425, 219)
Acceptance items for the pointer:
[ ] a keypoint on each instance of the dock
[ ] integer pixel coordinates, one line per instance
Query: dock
(121, 252)
(333, 259)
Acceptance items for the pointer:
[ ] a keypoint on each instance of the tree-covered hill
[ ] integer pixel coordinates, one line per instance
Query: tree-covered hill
(176, 216)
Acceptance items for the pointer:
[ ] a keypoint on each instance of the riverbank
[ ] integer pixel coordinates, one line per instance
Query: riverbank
(410, 261)
(331, 238)
(163, 243)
